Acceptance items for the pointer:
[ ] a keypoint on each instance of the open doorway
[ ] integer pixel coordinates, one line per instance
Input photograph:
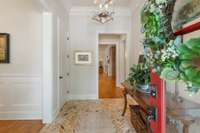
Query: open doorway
(112, 65)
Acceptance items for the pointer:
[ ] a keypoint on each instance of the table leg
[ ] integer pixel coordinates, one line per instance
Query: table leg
(186, 129)
(125, 103)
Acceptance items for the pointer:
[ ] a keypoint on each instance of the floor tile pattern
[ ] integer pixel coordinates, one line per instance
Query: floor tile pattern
(93, 116)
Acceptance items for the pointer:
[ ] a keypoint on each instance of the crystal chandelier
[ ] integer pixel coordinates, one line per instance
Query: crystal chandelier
(104, 12)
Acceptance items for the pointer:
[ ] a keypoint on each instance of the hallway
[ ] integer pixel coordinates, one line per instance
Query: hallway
(99, 66)
(107, 87)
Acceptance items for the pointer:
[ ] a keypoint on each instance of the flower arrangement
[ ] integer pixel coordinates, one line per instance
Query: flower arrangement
(164, 52)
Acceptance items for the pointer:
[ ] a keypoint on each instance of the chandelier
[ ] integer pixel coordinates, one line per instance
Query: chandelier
(104, 12)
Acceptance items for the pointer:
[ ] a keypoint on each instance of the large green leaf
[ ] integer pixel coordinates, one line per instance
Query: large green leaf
(186, 64)
(195, 42)
(183, 77)
(194, 45)
(184, 49)
(186, 56)
(191, 73)
(169, 74)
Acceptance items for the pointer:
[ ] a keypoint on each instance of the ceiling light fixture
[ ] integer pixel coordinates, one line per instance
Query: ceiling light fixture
(105, 11)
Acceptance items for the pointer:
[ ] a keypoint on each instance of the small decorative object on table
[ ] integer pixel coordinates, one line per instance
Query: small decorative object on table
(140, 77)
(4, 47)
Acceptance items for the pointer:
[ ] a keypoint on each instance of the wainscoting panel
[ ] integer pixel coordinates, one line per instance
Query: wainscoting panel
(20, 97)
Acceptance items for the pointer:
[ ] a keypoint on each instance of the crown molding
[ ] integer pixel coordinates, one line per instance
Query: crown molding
(67, 4)
(88, 11)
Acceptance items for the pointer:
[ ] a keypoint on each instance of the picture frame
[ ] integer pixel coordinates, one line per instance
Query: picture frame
(83, 57)
(4, 48)
(141, 59)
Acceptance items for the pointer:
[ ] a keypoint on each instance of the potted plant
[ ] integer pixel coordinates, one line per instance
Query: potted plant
(139, 76)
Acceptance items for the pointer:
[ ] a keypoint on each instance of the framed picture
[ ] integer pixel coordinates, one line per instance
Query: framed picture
(83, 58)
(4, 48)
(141, 59)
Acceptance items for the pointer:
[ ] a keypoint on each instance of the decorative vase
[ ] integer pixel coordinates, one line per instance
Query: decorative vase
(144, 88)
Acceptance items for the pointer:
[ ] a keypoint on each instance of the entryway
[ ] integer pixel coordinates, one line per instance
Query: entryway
(111, 65)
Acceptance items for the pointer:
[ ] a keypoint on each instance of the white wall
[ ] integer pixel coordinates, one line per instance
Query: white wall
(20, 81)
(137, 37)
(21, 92)
(102, 53)
(84, 36)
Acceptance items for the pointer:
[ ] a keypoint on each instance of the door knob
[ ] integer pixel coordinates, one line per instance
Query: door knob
(61, 77)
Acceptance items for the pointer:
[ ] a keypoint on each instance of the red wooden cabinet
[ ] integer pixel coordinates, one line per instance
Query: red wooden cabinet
(157, 108)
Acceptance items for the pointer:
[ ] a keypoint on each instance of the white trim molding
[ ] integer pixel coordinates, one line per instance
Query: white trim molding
(47, 68)
(82, 97)
(20, 97)
(85, 11)
(21, 115)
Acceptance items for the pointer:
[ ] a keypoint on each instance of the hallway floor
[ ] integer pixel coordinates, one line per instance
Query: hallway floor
(107, 87)
(92, 116)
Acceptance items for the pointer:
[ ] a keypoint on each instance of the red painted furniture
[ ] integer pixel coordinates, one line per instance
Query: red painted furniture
(157, 101)
(188, 29)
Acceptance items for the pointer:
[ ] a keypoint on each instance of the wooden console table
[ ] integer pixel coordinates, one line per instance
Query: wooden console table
(141, 98)
(143, 104)
(176, 110)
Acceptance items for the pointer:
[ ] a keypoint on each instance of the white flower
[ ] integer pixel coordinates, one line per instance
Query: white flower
(160, 1)
(174, 56)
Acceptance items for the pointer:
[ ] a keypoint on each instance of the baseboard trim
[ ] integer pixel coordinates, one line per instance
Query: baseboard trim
(55, 114)
(82, 97)
(20, 115)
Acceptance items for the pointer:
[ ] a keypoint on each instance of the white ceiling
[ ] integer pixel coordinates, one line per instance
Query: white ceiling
(118, 3)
